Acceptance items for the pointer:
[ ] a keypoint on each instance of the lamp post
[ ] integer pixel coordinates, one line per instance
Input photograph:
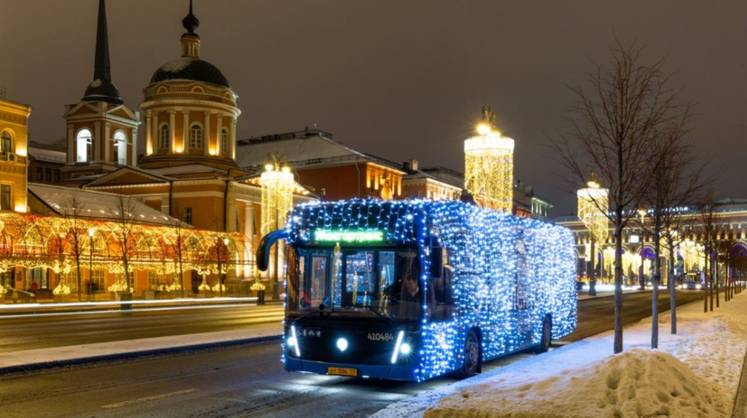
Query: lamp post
(222, 269)
(91, 231)
(277, 200)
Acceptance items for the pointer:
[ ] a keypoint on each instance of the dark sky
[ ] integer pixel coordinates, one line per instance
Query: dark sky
(401, 79)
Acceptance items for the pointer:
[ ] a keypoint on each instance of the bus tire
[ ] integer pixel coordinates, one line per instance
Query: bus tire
(472, 356)
(546, 339)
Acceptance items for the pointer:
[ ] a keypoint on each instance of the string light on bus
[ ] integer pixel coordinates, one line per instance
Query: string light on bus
(548, 249)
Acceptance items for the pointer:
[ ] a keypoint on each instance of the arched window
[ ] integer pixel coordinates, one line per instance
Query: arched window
(224, 141)
(83, 146)
(120, 144)
(6, 142)
(165, 138)
(195, 137)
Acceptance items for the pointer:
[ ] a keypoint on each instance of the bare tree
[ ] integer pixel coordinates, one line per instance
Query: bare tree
(75, 230)
(614, 124)
(674, 185)
(125, 218)
(707, 209)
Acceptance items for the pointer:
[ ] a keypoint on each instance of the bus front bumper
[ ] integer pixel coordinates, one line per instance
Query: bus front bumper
(403, 372)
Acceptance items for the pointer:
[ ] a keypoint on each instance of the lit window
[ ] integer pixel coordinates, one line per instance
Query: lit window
(224, 141)
(195, 137)
(6, 143)
(120, 143)
(5, 197)
(83, 146)
(165, 139)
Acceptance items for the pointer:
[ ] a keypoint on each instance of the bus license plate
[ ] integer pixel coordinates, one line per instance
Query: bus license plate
(342, 371)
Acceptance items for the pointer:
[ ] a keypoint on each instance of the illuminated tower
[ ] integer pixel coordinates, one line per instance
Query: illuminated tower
(593, 205)
(277, 201)
(489, 165)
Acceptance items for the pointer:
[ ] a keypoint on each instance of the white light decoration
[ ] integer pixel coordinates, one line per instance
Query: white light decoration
(593, 205)
(489, 166)
(489, 254)
(277, 196)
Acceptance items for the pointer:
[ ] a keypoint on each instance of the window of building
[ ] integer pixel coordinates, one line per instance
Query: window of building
(83, 146)
(165, 138)
(56, 176)
(224, 142)
(120, 143)
(6, 143)
(48, 174)
(39, 174)
(187, 215)
(5, 193)
(195, 137)
(96, 281)
(39, 275)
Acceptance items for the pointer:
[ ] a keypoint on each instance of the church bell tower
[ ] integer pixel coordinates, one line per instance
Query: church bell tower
(101, 130)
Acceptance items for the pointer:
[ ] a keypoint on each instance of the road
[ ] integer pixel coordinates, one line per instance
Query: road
(56, 330)
(237, 381)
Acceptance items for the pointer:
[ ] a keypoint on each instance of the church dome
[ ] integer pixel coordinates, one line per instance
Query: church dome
(190, 68)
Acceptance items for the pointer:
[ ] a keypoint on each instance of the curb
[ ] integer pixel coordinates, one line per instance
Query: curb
(133, 355)
(740, 400)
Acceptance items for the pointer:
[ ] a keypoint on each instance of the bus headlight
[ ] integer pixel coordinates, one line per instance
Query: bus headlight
(398, 347)
(342, 344)
(405, 349)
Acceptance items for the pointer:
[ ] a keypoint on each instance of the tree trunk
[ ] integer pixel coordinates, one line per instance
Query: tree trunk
(717, 276)
(705, 279)
(672, 289)
(592, 270)
(618, 344)
(656, 276)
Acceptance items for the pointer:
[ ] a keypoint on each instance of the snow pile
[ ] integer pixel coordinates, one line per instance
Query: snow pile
(636, 383)
(177, 65)
(693, 374)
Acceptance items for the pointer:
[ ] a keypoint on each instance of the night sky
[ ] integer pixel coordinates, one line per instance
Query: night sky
(400, 79)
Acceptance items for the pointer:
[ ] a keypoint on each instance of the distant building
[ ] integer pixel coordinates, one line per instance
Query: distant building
(46, 162)
(13, 155)
(328, 168)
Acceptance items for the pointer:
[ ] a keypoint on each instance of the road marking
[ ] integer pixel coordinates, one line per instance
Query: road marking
(149, 398)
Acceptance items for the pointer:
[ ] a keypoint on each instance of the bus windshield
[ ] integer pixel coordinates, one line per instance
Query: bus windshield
(383, 281)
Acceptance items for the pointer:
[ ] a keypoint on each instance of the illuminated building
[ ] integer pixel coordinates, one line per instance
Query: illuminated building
(489, 165)
(13, 155)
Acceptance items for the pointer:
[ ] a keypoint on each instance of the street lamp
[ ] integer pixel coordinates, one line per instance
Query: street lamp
(222, 270)
(277, 200)
(91, 232)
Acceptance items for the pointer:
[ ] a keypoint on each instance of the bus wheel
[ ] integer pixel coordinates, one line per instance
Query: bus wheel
(472, 356)
(544, 344)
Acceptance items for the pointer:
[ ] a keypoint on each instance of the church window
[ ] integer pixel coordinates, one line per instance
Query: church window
(83, 146)
(120, 144)
(224, 141)
(6, 142)
(165, 138)
(195, 137)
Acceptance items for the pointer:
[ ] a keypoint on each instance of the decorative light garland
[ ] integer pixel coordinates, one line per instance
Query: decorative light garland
(508, 271)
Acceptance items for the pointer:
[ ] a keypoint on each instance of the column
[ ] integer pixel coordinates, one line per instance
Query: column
(172, 128)
(218, 144)
(107, 142)
(154, 133)
(232, 138)
(148, 135)
(71, 149)
(206, 134)
(96, 138)
(133, 148)
(248, 237)
(185, 131)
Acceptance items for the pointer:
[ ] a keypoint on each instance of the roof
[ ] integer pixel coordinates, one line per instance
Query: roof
(94, 204)
(310, 147)
(47, 152)
(190, 68)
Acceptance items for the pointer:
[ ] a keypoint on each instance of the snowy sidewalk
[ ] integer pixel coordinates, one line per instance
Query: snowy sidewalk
(60, 356)
(693, 374)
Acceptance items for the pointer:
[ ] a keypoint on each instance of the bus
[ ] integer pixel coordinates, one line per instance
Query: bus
(415, 289)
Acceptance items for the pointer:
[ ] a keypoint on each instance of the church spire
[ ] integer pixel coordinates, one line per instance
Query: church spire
(101, 88)
(190, 38)
(190, 21)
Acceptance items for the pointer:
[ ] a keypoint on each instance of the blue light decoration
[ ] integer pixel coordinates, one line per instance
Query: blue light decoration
(507, 272)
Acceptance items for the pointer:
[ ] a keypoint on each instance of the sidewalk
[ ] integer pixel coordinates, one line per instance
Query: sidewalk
(584, 294)
(740, 403)
(87, 353)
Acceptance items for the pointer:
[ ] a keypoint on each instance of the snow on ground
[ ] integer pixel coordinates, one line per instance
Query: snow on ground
(693, 374)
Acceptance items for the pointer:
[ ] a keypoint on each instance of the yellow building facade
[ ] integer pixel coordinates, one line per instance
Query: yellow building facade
(13, 155)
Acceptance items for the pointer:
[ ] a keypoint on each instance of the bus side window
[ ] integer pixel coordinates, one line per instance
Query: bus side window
(441, 295)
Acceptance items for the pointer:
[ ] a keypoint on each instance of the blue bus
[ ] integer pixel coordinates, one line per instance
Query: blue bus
(414, 289)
